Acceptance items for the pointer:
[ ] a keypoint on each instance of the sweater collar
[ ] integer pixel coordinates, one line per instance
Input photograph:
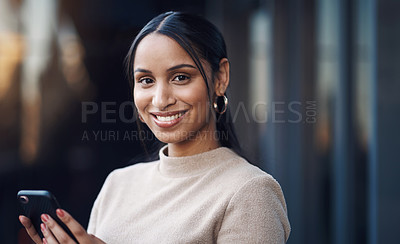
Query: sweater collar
(194, 164)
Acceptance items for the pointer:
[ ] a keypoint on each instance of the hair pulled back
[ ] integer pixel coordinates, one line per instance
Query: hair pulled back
(203, 42)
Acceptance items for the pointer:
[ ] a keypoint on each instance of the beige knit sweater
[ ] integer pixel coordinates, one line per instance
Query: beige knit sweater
(212, 197)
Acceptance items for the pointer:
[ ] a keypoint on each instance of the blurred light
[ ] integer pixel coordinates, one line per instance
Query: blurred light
(11, 51)
(39, 18)
(260, 62)
(71, 60)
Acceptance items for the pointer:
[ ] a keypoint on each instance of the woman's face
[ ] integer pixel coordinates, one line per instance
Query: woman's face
(169, 92)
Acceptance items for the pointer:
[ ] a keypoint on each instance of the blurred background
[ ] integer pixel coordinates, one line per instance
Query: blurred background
(314, 95)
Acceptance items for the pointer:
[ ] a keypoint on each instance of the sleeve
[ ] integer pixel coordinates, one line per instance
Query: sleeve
(97, 206)
(256, 214)
(93, 217)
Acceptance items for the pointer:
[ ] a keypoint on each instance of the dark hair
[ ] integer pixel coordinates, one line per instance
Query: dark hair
(202, 41)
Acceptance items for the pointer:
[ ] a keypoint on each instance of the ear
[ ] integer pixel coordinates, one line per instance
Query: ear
(221, 81)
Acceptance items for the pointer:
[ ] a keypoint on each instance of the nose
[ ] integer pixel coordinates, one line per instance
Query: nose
(163, 96)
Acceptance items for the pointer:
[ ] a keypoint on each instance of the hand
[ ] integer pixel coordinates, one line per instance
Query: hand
(53, 233)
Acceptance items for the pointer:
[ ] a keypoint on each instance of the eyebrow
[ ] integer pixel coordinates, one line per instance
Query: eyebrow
(181, 66)
(169, 69)
(142, 70)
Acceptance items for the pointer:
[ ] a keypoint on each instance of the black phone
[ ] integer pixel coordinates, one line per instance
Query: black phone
(34, 203)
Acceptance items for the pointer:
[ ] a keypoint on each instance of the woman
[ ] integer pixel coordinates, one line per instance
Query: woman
(199, 190)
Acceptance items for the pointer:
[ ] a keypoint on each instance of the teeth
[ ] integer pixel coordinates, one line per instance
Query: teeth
(169, 118)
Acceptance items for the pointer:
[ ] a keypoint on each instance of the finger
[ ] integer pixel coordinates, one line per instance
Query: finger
(58, 232)
(77, 230)
(48, 236)
(96, 239)
(26, 222)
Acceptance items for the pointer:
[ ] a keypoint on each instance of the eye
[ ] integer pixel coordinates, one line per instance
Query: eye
(181, 78)
(145, 81)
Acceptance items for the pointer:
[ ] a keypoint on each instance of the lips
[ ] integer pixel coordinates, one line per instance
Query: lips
(168, 119)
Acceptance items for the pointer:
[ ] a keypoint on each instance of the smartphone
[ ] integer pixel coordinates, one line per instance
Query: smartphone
(34, 203)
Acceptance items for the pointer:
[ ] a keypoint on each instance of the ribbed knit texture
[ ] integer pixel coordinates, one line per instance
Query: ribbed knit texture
(212, 197)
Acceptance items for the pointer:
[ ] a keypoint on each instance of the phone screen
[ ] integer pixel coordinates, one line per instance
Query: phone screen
(34, 203)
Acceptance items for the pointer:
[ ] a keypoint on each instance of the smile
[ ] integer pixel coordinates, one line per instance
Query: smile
(169, 119)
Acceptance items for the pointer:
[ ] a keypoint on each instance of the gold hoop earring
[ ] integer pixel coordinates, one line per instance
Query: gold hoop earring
(215, 104)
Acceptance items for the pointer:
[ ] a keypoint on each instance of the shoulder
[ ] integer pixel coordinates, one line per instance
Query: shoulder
(256, 197)
(239, 172)
(127, 174)
(248, 181)
(240, 179)
(132, 169)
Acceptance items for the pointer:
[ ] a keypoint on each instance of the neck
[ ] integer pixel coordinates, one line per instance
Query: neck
(203, 141)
